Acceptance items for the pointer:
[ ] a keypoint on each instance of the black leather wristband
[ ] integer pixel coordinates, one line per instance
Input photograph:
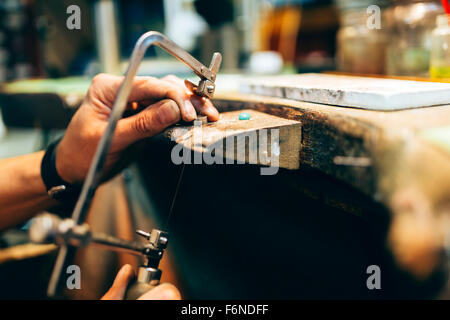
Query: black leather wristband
(57, 188)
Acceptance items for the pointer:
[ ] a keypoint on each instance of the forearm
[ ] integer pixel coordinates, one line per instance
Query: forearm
(22, 191)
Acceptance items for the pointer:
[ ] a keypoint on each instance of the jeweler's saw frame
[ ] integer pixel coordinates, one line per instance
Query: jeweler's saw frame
(205, 88)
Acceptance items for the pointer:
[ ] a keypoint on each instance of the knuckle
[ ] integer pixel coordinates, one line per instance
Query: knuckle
(149, 121)
(142, 124)
(99, 78)
(171, 77)
(175, 94)
(169, 103)
(168, 113)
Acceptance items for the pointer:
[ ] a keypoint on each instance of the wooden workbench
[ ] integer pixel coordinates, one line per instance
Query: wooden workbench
(400, 159)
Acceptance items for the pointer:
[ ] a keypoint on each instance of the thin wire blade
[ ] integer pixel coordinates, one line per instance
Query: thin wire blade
(172, 205)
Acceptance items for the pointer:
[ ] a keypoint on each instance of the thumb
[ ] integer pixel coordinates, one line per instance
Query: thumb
(117, 290)
(165, 291)
(149, 122)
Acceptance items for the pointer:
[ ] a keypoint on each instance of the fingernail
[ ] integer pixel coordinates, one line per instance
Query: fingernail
(168, 113)
(125, 270)
(212, 112)
(190, 111)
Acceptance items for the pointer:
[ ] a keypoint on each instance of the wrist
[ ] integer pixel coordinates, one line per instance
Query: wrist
(57, 187)
(60, 165)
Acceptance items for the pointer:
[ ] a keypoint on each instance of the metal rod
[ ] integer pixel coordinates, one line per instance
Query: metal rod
(117, 244)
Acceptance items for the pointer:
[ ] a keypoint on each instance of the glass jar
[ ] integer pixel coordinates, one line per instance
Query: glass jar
(440, 49)
(359, 48)
(410, 24)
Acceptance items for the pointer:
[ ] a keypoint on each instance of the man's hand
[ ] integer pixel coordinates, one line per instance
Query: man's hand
(164, 291)
(165, 102)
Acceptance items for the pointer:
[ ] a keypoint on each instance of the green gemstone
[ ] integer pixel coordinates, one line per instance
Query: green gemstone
(244, 116)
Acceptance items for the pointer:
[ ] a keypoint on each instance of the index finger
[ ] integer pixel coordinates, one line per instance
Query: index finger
(105, 87)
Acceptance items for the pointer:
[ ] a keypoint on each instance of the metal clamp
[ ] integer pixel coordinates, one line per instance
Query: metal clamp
(48, 228)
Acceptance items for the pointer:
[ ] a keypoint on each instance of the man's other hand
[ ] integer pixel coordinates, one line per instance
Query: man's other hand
(164, 291)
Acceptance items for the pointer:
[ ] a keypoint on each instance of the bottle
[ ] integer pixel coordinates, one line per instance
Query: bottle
(360, 49)
(410, 24)
(440, 49)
